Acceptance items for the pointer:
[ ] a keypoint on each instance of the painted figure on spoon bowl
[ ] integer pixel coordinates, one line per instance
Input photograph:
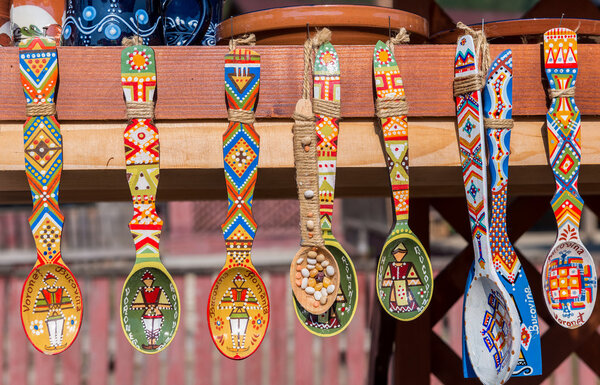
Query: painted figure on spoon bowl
(149, 301)
(404, 276)
(51, 304)
(238, 307)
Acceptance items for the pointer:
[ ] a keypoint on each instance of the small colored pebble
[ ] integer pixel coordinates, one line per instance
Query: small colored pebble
(330, 289)
(318, 295)
(312, 282)
(311, 261)
(313, 273)
(299, 282)
(310, 290)
(305, 272)
(326, 282)
(330, 271)
(320, 258)
(299, 261)
(304, 283)
(318, 286)
(312, 254)
(325, 263)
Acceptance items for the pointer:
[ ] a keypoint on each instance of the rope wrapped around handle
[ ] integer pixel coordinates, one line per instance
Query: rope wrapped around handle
(305, 148)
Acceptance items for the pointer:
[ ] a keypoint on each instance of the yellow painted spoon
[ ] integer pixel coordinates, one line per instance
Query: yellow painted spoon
(51, 305)
(238, 306)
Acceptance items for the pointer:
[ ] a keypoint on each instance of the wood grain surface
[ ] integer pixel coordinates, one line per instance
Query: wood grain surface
(191, 82)
(191, 160)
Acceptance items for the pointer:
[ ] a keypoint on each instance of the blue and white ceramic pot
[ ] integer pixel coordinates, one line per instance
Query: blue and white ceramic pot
(107, 22)
(191, 22)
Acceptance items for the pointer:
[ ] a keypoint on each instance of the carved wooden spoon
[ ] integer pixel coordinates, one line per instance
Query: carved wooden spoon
(326, 80)
(404, 276)
(51, 305)
(150, 306)
(490, 318)
(569, 275)
(238, 306)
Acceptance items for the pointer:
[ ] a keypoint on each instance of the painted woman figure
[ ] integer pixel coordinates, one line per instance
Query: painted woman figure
(52, 300)
(239, 299)
(400, 276)
(151, 299)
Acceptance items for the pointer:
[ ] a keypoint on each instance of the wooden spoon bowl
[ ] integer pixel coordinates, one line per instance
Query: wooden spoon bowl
(150, 328)
(569, 266)
(238, 311)
(51, 332)
(315, 285)
(490, 332)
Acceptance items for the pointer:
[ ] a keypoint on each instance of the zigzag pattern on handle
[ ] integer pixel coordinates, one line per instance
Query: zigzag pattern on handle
(388, 83)
(38, 62)
(326, 77)
(240, 155)
(142, 151)
(498, 105)
(564, 130)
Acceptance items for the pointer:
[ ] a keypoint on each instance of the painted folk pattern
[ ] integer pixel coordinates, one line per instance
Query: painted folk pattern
(142, 152)
(326, 78)
(149, 301)
(471, 147)
(388, 84)
(497, 103)
(494, 327)
(570, 278)
(51, 304)
(240, 154)
(238, 308)
(326, 87)
(404, 277)
(564, 130)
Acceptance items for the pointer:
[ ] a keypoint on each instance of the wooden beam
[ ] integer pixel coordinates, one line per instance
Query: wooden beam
(192, 164)
(190, 81)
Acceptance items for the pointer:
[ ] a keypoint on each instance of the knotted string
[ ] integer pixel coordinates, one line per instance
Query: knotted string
(247, 39)
(46, 109)
(566, 93)
(305, 145)
(402, 37)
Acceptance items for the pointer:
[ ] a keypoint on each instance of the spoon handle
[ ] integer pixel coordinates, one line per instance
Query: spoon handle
(389, 85)
(240, 153)
(142, 151)
(326, 80)
(564, 129)
(38, 62)
(497, 110)
(472, 150)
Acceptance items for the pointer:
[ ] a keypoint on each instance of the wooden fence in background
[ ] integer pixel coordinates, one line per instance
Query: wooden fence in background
(288, 355)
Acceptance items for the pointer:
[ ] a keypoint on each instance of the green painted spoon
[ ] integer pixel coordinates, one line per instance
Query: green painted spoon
(326, 76)
(404, 278)
(150, 306)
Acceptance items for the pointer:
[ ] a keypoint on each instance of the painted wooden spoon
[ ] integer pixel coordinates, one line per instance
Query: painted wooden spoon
(51, 305)
(497, 104)
(326, 80)
(490, 318)
(313, 252)
(150, 305)
(238, 306)
(569, 275)
(404, 278)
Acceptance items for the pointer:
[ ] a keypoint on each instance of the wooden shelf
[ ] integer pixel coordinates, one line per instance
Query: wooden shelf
(191, 117)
